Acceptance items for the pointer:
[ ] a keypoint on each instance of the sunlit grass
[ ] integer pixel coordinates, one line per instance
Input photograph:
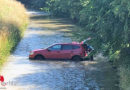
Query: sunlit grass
(13, 21)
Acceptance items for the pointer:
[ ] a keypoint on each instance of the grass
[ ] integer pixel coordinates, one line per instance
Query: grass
(13, 21)
(124, 78)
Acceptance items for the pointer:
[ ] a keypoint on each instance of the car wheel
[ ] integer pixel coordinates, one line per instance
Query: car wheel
(30, 59)
(91, 58)
(77, 58)
(39, 57)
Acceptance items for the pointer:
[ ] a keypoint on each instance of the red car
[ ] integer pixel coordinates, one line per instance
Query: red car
(74, 51)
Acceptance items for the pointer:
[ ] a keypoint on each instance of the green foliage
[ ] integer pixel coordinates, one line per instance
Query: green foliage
(33, 4)
(106, 21)
(66, 8)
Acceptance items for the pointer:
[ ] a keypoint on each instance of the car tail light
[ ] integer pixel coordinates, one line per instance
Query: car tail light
(86, 54)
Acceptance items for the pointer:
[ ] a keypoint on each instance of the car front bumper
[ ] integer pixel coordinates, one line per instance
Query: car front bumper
(31, 57)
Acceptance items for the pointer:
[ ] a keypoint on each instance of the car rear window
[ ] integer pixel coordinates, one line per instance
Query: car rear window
(67, 47)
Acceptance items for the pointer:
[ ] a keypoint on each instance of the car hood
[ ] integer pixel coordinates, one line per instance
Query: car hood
(38, 50)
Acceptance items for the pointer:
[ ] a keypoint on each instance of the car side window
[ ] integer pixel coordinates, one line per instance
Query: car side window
(76, 47)
(55, 48)
(67, 47)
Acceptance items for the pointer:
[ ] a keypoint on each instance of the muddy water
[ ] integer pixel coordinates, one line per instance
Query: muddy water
(22, 74)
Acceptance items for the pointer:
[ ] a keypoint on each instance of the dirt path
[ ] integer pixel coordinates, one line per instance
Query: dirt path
(22, 74)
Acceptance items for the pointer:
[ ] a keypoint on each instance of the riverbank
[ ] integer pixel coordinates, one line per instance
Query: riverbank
(13, 22)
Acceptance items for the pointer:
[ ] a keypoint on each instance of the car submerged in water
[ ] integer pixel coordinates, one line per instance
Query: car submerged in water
(73, 51)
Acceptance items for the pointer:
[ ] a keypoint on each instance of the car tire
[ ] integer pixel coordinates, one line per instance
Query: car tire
(91, 58)
(30, 59)
(39, 57)
(77, 58)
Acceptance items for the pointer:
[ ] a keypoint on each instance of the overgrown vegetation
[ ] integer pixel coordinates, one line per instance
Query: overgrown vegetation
(13, 21)
(33, 4)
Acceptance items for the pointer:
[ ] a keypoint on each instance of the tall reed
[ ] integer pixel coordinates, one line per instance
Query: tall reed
(13, 22)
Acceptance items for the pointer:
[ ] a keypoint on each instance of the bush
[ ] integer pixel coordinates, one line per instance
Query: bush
(13, 21)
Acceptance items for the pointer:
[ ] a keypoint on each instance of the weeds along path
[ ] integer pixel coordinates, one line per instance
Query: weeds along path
(22, 74)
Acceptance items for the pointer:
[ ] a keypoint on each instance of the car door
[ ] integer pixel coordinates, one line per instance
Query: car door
(67, 51)
(54, 52)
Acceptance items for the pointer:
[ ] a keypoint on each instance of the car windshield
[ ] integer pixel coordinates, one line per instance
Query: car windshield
(55, 47)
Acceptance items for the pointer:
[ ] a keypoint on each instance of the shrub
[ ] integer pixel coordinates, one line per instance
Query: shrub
(13, 21)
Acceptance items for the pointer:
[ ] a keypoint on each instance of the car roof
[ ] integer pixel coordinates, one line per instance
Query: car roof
(68, 43)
